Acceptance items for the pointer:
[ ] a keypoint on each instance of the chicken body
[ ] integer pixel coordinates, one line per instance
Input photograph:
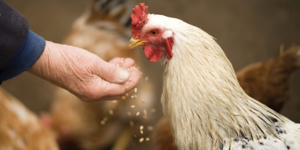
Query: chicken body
(20, 129)
(267, 82)
(104, 30)
(201, 96)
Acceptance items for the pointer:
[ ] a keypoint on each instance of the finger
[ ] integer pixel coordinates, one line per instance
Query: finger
(112, 89)
(115, 61)
(128, 62)
(112, 73)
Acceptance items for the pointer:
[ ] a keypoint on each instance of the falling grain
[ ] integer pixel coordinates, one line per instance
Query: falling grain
(103, 121)
(122, 61)
(146, 78)
(138, 113)
(147, 139)
(132, 106)
(141, 140)
(123, 97)
(135, 90)
(129, 113)
(145, 112)
(153, 110)
(141, 129)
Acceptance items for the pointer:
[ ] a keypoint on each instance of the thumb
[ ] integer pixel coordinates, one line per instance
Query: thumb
(112, 73)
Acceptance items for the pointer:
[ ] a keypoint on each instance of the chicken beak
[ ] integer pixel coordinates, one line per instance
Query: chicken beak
(135, 42)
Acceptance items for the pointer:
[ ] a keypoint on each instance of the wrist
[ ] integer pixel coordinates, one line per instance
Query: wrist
(44, 66)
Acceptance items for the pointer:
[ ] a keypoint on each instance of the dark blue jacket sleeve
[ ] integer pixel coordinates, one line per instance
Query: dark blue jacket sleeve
(20, 48)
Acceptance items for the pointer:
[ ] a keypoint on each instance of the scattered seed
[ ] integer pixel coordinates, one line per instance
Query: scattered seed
(141, 140)
(114, 101)
(132, 68)
(134, 135)
(147, 139)
(129, 113)
(132, 106)
(126, 94)
(130, 79)
(135, 90)
(146, 78)
(132, 96)
(138, 113)
(104, 121)
(142, 132)
(123, 97)
(153, 110)
(145, 112)
(141, 127)
(122, 61)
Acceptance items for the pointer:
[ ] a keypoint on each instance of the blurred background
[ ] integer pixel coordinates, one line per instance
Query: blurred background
(249, 31)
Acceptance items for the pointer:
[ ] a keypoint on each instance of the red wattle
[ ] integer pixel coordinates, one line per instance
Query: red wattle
(152, 55)
(169, 44)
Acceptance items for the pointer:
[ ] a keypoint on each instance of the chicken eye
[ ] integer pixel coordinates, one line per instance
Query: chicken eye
(154, 32)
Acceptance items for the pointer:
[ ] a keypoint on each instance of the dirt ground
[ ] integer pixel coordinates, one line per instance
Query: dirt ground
(247, 30)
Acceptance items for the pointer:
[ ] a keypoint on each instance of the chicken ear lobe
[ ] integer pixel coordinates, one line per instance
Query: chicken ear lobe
(169, 44)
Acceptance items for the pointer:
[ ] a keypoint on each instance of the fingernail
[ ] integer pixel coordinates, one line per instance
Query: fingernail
(123, 75)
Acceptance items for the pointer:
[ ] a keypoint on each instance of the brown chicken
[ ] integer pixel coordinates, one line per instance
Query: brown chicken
(266, 82)
(103, 30)
(20, 129)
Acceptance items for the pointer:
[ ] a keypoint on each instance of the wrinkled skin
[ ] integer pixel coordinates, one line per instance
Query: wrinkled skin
(84, 74)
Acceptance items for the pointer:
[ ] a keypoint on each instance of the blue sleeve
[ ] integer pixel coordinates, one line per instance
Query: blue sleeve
(20, 48)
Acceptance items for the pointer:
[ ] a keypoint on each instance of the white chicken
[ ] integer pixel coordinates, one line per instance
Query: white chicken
(202, 98)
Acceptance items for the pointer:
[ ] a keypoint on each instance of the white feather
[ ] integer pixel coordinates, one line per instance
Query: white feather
(204, 101)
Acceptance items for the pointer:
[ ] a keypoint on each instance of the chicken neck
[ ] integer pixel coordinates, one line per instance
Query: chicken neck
(203, 99)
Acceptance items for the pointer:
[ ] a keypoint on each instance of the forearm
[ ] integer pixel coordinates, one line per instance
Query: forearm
(48, 63)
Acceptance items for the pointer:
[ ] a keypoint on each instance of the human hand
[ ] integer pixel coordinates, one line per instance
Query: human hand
(84, 74)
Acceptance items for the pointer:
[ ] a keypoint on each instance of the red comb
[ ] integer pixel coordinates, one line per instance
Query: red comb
(139, 19)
